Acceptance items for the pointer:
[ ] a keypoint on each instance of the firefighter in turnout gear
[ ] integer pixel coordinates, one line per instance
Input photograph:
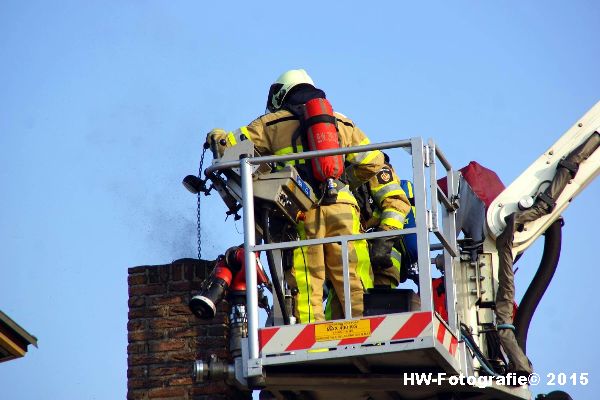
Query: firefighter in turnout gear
(279, 132)
(384, 206)
(390, 206)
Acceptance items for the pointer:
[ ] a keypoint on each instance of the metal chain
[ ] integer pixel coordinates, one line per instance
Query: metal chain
(198, 207)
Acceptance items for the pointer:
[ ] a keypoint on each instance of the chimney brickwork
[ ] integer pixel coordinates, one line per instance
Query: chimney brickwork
(165, 338)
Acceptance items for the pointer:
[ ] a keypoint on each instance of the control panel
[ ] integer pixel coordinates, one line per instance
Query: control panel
(286, 190)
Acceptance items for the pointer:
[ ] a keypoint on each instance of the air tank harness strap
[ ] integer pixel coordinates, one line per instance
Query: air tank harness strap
(322, 118)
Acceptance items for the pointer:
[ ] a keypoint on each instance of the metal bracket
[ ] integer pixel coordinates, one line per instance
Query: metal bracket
(430, 226)
(427, 155)
(255, 367)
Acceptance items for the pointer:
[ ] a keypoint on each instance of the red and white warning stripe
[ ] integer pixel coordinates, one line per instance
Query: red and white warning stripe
(445, 337)
(386, 328)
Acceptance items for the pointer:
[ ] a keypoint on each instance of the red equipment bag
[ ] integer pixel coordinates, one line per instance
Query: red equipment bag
(485, 183)
(322, 134)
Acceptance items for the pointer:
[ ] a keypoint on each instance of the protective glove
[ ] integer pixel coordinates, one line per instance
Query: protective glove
(216, 140)
(380, 252)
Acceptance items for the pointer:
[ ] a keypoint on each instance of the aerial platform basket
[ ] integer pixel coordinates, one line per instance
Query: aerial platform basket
(366, 357)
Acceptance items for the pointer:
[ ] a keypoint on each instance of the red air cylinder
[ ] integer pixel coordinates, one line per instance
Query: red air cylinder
(322, 134)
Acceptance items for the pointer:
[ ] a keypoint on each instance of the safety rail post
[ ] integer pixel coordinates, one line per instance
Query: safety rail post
(449, 221)
(250, 256)
(449, 230)
(419, 154)
(346, 273)
(437, 195)
(433, 193)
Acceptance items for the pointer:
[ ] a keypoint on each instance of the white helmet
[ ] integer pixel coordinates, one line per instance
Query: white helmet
(282, 86)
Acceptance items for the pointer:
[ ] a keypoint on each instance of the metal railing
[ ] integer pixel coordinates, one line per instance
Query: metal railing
(426, 219)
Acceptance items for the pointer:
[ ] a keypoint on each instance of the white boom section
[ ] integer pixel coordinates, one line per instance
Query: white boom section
(537, 177)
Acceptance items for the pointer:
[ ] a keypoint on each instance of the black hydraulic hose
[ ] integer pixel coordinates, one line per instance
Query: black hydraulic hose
(470, 342)
(266, 212)
(539, 283)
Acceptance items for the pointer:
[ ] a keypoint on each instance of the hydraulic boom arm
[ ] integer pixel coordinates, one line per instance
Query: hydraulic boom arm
(575, 152)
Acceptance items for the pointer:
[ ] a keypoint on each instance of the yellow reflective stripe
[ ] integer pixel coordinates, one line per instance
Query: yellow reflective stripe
(376, 188)
(410, 189)
(396, 258)
(370, 156)
(238, 135)
(382, 192)
(328, 307)
(392, 222)
(390, 212)
(363, 264)
(346, 196)
(305, 311)
(396, 261)
(352, 156)
(393, 217)
(289, 150)
(302, 276)
(399, 192)
(355, 223)
(231, 139)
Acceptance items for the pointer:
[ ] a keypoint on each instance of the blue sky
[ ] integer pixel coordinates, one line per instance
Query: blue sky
(104, 107)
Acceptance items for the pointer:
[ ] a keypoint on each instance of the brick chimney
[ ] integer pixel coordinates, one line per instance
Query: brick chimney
(165, 338)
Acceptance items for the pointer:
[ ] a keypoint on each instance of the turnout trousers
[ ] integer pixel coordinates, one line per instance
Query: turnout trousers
(325, 261)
